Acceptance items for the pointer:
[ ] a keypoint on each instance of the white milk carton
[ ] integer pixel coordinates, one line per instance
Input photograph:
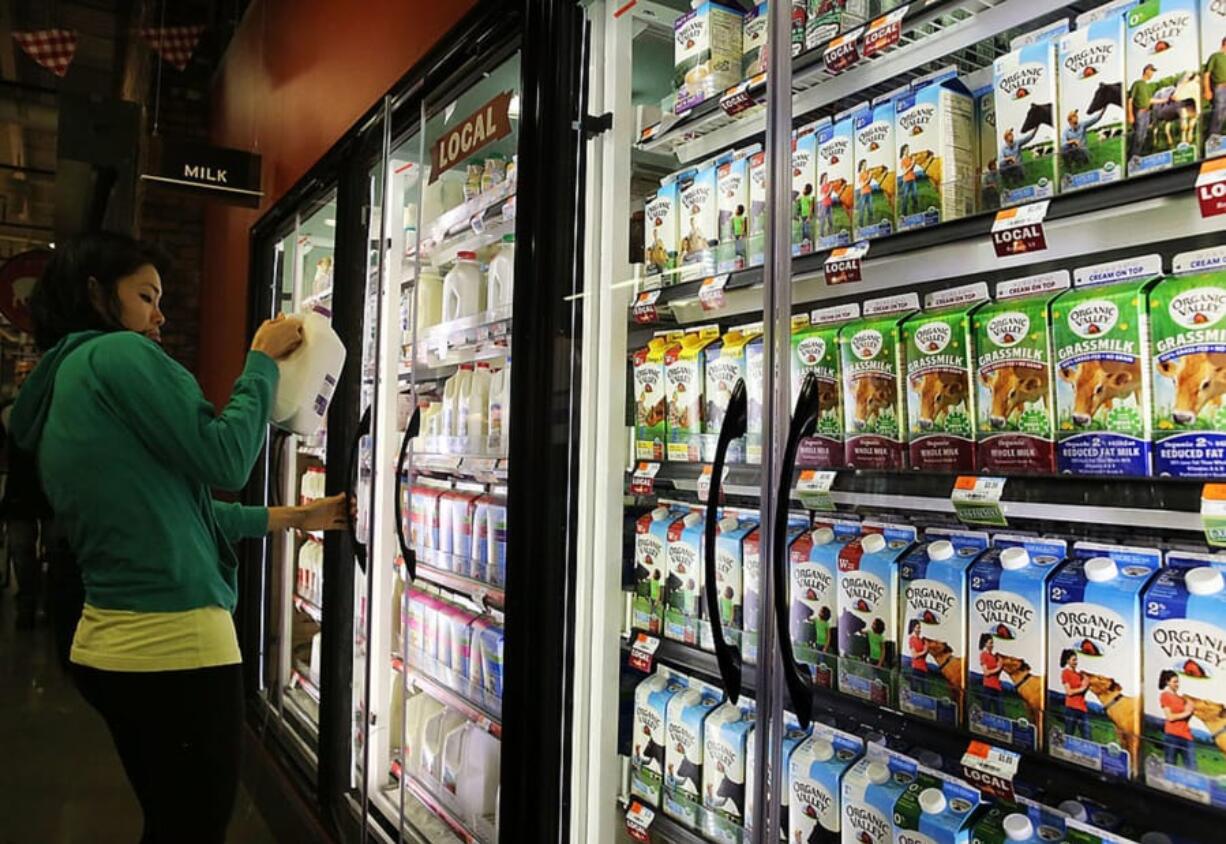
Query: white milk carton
(726, 737)
(876, 158)
(683, 757)
(812, 580)
(757, 208)
(755, 36)
(935, 809)
(934, 134)
(827, 18)
(871, 789)
(706, 53)
(1026, 160)
(815, 782)
(732, 175)
(651, 699)
(660, 234)
(697, 221)
(835, 181)
(1164, 90)
(1090, 119)
(804, 189)
(1213, 70)
(683, 588)
(729, 579)
(983, 91)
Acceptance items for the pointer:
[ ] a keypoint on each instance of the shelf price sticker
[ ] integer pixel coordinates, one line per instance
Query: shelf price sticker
(843, 52)
(1018, 231)
(977, 500)
(884, 33)
(704, 482)
(813, 489)
(643, 481)
(1213, 514)
(990, 768)
(645, 307)
(737, 99)
(643, 652)
(711, 293)
(844, 263)
(638, 821)
(1211, 187)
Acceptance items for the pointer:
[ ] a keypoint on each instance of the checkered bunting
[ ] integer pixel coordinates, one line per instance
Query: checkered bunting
(52, 49)
(175, 44)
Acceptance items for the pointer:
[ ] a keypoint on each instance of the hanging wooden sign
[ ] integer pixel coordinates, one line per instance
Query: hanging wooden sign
(484, 126)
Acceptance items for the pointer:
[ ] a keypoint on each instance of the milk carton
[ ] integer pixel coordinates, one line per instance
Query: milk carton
(488, 641)
(726, 737)
(651, 699)
(934, 134)
(793, 735)
(868, 611)
(804, 189)
(755, 387)
(980, 84)
(1008, 631)
(683, 751)
(871, 789)
(815, 782)
(651, 396)
(1185, 683)
(1090, 117)
(933, 613)
(1101, 339)
(938, 344)
(836, 172)
(754, 37)
(1077, 832)
(1094, 657)
(1163, 93)
(732, 176)
(935, 809)
(685, 376)
(1015, 410)
(815, 349)
(729, 579)
(1213, 58)
(873, 403)
(812, 597)
(725, 365)
(683, 587)
(651, 567)
(1020, 820)
(827, 18)
(1025, 83)
(757, 208)
(697, 221)
(875, 159)
(660, 235)
(706, 53)
(752, 575)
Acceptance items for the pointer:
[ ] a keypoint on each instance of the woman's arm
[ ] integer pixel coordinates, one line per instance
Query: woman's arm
(324, 514)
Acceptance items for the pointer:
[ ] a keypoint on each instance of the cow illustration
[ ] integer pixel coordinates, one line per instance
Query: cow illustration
(1097, 384)
(844, 192)
(1180, 104)
(802, 621)
(1039, 114)
(687, 771)
(729, 792)
(873, 394)
(827, 396)
(1013, 387)
(653, 752)
(939, 392)
(1106, 94)
(1200, 381)
(877, 175)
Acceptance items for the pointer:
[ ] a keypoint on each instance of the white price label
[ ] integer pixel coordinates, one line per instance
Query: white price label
(991, 768)
(704, 482)
(711, 293)
(638, 821)
(977, 500)
(643, 651)
(813, 489)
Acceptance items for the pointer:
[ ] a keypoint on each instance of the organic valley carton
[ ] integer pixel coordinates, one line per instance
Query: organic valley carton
(1094, 657)
(706, 53)
(935, 809)
(868, 611)
(815, 349)
(752, 576)
(651, 567)
(651, 699)
(1033, 823)
(1008, 634)
(697, 221)
(980, 84)
(938, 346)
(1163, 91)
(804, 189)
(733, 183)
(1100, 334)
(685, 376)
(660, 235)
(815, 782)
(726, 737)
(1185, 683)
(755, 36)
(872, 357)
(725, 365)
(683, 757)
(827, 18)
(793, 735)
(729, 580)
(684, 583)
(871, 789)
(1213, 59)
(1015, 411)
(755, 386)
(812, 597)
(651, 396)
(836, 173)
(1026, 160)
(934, 134)
(875, 158)
(757, 208)
(1090, 118)
(933, 613)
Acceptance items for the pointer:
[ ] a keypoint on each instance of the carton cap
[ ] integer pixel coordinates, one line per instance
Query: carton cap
(1074, 810)
(878, 773)
(692, 519)
(1018, 827)
(942, 549)
(659, 513)
(466, 256)
(823, 536)
(823, 750)
(1101, 569)
(873, 543)
(728, 523)
(1014, 558)
(927, 758)
(1205, 580)
(932, 801)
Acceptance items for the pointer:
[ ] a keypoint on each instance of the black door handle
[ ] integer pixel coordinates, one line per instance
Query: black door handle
(359, 548)
(410, 556)
(733, 427)
(804, 422)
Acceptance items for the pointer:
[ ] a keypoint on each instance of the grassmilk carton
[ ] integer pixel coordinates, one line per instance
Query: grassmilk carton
(1185, 682)
(815, 782)
(683, 751)
(938, 345)
(827, 18)
(651, 699)
(726, 737)
(1008, 632)
(871, 789)
(935, 809)
(660, 235)
(983, 91)
(697, 221)
(1094, 657)
(757, 208)
(651, 567)
(1090, 118)
(873, 403)
(1025, 83)
(725, 365)
(1015, 411)
(934, 135)
(804, 189)
(684, 583)
(836, 175)
(752, 577)
(1100, 334)
(868, 611)
(1189, 359)
(933, 612)
(875, 157)
(729, 579)
(755, 35)
(812, 597)
(685, 377)
(732, 176)
(706, 53)
(1162, 60)
(815, 349)
(1020, 820)
(1213, 75)
(651, 396)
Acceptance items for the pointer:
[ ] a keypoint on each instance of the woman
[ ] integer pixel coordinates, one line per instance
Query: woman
(128, 449)
(1076, 715)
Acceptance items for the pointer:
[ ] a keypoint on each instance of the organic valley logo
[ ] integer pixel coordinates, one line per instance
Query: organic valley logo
(1008, 329)
(1199, 308)
(813, 797)
(650, 549)
(932, 338)
(866, 344)
(863, 590)
(725, 564)
(683, 560)
(907, 836)
(1218, 8)
(730, 185)
(914, 121)
(680, 734)
(723, 373)
(934, 598)
(871, 137)
(650, 718)
(834, 150)
(1159, 34)
(680, 375)
(1097, 624)
(1094, 318)
(648, 378)
(811, 350)
(1086, 62)
(1021, 83)
(757, 172)
(800, 162)
(722, 755)
(690, 31)
(659, 209)
(867, 822)
(812, 577)
(696, 197)
(1200, 647)
(1011, 615)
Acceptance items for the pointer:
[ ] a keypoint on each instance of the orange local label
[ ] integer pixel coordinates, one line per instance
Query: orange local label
(484, 126)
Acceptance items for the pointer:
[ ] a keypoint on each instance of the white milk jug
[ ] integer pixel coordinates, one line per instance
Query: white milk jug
(432, 419)
(463, 292)
(501, 280)
(474, 404)
(453, 420)
(436, 730)
(308, 377)
(418, 712)
(476, 781)
(429, 300)
(498, 416)
(453, 756)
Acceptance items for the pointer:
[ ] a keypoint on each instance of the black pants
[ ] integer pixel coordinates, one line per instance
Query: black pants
(178, 734)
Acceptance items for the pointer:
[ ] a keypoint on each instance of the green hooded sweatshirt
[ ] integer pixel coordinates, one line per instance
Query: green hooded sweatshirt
(128, 449)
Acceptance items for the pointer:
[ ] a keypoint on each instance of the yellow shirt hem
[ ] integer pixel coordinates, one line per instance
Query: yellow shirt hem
(125, 640)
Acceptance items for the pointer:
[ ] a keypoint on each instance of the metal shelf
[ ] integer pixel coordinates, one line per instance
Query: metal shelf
(300, 677)
(426, 797)
(319, 453)
(664, 828)
(487, 468)
(312, 611)
(473, 711)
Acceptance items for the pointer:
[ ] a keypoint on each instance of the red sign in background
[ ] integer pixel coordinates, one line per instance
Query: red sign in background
(17, 279)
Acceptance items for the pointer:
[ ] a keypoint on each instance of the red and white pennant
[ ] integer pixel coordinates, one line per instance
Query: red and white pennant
(175, 44)
(52, 49)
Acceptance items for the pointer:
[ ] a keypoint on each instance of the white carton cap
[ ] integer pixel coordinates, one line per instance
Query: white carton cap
(1074, 810)
(932, 801)
(873, 543)
(693, 519)
(728, 523)
(1205, 580)
(942, 549)
(1018, 827)
(878, 773)
(659, 513)
(823, 750)
(823, 536)
(1155, 838)
(1101, 569)
(1014, 558)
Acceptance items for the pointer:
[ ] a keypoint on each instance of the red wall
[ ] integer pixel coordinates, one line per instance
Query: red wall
(296, 76)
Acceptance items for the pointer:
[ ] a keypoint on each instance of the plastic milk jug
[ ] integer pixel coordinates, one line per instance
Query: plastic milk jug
(433, 734)
(453, 420)
(498, 417)
(429, 300)
(419, 709)
(308, 377)
(432, 419)
(463, 292)
(476, 786)
(474, 404)
(501, 275)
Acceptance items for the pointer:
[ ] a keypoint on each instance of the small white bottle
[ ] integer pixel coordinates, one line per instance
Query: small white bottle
(499, 416)
(501, 278)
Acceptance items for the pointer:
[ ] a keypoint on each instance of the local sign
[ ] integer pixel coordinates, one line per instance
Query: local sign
(220, 172)
(480, 129)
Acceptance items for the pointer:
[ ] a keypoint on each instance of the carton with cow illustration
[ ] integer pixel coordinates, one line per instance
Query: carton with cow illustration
(683, 586)
(726, 737)
(983, 91)
(1090, 117)
(835, 181)
(697, 221)
(934, 137)
(651, 396)
(940, 366)
(871, 790)
(868, 611)
(1213, 68)
(1015, 410)
(752, 579)
(651, 567)
(935, 809)
(651, 698)
(933, 612)
(660, 235)
(707, 44)
(1164, 90)
(732, 180)
(793, 735)
(1184, 745)
(1094, 657)
(729, 579)
(815, 349)
(683, 751)
(813, 599)
(757, 208)
(685, 379)
(1008, 634)
(755, 388)
(724, 366)
(755, 36)
(874, 405)
(1026, 160)
(876, 158)
(815, 782)
(804, 188)
(1188, 323)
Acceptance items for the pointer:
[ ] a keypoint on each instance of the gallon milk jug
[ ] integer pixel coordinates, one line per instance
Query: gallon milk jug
(419, 709)
(308, 377)
(453, 424)
(429, 300)
(463, 292)
(436, 730)
(432, 419)
(497, 416)
(501, 275)
(476, 783)
(474, 404)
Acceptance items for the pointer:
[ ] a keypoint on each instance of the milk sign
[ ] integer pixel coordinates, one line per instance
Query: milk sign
(484, 126)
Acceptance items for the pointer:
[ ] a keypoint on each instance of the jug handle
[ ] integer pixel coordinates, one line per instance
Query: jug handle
(410, 432)
(359, 548)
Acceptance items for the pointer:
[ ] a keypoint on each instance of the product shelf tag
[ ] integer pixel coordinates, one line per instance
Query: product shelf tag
(1211, 187)
(991, 769)
(643, 652)
(843, 264)
(711, 294)
(976, 500)
(1213, 514)
(884, 33)
(843, 52)
(813, 489)
(704, 482)
(645, 307)
(643, 482)
(1019, 230)
(737, 99)
(638, 821)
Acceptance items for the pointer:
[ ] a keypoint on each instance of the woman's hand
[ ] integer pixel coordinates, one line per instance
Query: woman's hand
(278, 337)
(322, 514)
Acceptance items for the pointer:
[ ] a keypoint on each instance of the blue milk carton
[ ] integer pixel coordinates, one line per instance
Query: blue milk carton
(1185, 681)
(933, 612)
(726, 737)
(683, 588)
(752, 550)
(651, 699)
(935, 809)
(868, 611)
(814, 569)
(793, 735)
(729, 580)
(871, 789)
(1094, 656)
(1162, 86)
(683, 757)
(1008, 632)
(815, 782)
(836, 173)
(934, 128)
(875, 162)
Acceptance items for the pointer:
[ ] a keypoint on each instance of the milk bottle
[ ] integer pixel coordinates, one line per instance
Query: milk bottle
(474, 404)
(453, 419)
(463, 292)
(434, 732)
(308, 377)
(429, 300)
(419, 709)
(501, 278)
(498, 416)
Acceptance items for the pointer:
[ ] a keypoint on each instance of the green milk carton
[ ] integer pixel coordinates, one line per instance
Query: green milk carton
(815, 348)
(935, 809)
(874, 404)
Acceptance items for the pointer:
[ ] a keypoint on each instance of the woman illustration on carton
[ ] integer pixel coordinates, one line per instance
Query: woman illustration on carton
(864, 196)
(1178, 729)
(1076, 717)
(917, 647)
(908, 198)
(991, 665)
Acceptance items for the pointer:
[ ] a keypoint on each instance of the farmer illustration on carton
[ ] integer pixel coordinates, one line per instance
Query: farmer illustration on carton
(804, 210)
(740, 229)
(1213, 82)
(1011, 169)
(1074, 147)
(908, 200)
(1178, 730)
(826, 210)
(864, 194)
(991, 665)
(1076, 717)
(1140, 99)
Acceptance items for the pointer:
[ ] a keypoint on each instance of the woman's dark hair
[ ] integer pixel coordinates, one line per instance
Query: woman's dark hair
(1165, 677)
(914, 625)
(61, 303)
(1066, 655)
(984, 638)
